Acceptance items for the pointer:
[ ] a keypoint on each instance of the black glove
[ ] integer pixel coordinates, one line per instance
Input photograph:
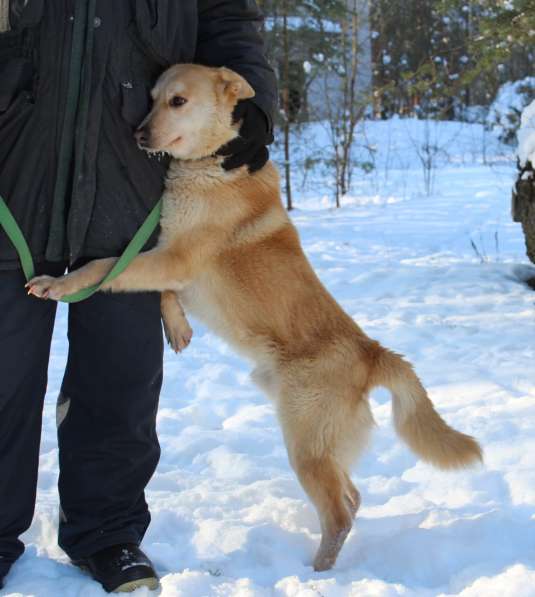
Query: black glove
(250, 147)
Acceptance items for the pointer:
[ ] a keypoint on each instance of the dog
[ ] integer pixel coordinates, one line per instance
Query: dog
(229, 253)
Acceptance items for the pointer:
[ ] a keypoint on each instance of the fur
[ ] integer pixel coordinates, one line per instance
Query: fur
(229, 253)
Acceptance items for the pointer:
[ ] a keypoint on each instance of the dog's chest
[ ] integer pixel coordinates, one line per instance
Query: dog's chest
(181, 212)
(200, 298)
(206, 300)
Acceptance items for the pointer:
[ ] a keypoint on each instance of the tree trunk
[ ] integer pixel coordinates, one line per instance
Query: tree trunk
(524, 212)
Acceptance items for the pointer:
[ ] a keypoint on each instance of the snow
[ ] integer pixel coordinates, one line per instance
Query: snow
(296, 23)
(526, 135)
(510, 100)
(396, 151)
(510, 95)
(229, 517)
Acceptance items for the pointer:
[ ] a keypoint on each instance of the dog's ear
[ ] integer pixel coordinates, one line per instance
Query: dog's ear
(234, 85)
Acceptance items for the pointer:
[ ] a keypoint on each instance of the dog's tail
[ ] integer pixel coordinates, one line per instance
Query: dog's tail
(416, 420)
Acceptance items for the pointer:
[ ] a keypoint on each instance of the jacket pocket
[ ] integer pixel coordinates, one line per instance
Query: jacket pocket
(141, 68)
(17, 77)
(135, 102)
(167, 30)
(18, 56)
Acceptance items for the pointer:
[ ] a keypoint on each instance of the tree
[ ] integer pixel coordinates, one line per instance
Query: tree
(457, 54)
(345, 102)
(314, 43)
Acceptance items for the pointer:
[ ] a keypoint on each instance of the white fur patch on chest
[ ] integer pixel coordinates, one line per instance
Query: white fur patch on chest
(180, 214)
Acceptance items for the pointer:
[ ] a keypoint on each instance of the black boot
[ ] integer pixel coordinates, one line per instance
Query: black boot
(121, 568)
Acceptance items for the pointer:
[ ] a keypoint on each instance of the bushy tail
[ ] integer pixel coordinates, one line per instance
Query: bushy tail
(416, 420)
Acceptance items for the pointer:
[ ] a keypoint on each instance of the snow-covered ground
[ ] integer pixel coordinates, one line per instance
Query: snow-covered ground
(229, 517)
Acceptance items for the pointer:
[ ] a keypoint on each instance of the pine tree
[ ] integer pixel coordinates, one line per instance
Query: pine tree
(434, 58)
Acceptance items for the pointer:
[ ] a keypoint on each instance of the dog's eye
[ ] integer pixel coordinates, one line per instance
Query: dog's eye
(177, 101)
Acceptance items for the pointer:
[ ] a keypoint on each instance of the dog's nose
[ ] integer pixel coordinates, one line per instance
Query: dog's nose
(142, 136)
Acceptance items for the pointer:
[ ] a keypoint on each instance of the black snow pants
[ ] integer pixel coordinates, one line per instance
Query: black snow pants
(108, 449)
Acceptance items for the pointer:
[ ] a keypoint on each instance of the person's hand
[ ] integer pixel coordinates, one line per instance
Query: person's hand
(249, 149)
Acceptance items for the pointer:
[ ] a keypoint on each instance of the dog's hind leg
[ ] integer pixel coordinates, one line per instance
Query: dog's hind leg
(326, 485)
(351, 496)
(323, 436)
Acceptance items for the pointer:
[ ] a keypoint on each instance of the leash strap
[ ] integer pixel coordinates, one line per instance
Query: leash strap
(14, 233)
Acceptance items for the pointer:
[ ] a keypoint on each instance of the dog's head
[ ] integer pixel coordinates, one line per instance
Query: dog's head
(191, 116)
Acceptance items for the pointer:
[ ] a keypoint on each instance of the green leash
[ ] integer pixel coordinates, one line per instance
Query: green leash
(14, 233)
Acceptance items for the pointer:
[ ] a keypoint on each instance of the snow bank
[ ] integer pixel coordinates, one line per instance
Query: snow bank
(389, 158)
(504, 113)
(526, 136)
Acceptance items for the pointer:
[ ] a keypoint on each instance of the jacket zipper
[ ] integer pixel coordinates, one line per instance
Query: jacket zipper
(56, 249)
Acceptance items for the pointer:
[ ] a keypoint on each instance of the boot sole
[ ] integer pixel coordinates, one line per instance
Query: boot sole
(150, 583)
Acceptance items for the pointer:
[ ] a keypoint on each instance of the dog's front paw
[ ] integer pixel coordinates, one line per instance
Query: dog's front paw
(178, 333)
(177, 329)
(47, 287)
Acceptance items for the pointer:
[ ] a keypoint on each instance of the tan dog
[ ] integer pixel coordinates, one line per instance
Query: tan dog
(230, 254)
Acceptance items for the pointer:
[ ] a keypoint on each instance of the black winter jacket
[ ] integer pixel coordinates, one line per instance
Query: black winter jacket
(75, 78)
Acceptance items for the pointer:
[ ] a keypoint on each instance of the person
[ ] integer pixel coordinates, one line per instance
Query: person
(75, 80)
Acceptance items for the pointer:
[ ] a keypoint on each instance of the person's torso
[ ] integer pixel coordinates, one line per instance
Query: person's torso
(75, 79)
